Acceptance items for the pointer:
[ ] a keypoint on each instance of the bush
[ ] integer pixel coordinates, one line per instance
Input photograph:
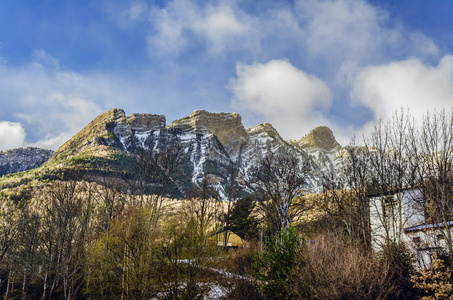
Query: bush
(245, 289)
(333, 268)
(240, 261)
(401, 268)
(436, 281)
(275, 264)
(136, 260)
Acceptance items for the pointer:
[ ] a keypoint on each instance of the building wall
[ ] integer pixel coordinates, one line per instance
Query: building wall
(399, 217)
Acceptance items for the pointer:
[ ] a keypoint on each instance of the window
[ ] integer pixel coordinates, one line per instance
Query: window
(389, 205)
(417, 241)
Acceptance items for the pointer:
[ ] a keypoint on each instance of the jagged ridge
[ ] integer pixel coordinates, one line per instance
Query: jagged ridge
(211, 142)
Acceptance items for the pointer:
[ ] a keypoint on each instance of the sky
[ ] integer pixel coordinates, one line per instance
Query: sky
(296, 64)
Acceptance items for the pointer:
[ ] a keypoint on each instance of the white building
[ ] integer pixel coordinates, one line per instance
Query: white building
(399, 216)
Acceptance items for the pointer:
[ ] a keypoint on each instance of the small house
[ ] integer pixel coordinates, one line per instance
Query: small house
(399, 216)
(234, 241)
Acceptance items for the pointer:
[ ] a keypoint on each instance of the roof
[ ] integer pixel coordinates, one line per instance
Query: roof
(391, 192)
(426, 226)
(233, 239)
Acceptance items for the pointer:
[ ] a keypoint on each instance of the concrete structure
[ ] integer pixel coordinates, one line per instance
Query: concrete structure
(399, 216)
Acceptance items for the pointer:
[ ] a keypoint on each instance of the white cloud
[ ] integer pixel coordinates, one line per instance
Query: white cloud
(52, 104)
(423, 45)
(60, 117)
(342, 29)
(170, 23)
(135, 12)
(12, 135)
(345, 31)
(335, 31)
(41, 58)
(409, 83)
(221, 26)
(49, 100)
(51, 141)
(334, 40)
(290, 99)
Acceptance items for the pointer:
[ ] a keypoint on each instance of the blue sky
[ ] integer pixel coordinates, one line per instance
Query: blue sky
(296, 64)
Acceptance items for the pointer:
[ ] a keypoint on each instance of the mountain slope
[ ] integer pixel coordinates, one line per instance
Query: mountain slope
(22, 159)
(209, 143)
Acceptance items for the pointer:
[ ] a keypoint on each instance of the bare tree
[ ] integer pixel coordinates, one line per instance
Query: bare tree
(24, 259)
(345, 193)
(391, 169)
(204, 206)
(158, 171)
(432, 150)
(8, 226)
(65, 232)
(110, 197)
(384, 165)
(280, 177)
(232, 193)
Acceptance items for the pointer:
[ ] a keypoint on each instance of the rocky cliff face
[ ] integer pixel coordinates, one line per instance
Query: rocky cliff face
(211, 141)
(22, 159)
(227, 127)
(321, 144)
(111, 128)
(321, 137)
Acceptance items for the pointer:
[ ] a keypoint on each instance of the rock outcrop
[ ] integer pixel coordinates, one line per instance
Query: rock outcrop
(321, 137)
(227, 127)
(264, 130)
(145, 122)
(109, 128)
(22, 159)
(210, 141)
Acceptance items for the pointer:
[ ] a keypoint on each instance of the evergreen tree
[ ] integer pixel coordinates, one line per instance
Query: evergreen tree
(242, 222)
(274, 265)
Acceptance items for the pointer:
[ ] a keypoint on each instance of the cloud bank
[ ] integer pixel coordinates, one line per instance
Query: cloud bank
(287, 97)
(340, 47)
(12, 135)
(220, 25)
(409, 83)
(50, 104)
(53, 104)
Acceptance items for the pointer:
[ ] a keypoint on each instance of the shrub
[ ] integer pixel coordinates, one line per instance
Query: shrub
(435, 281)
(245, 289)
(240, 261)
(274, 265)
(401, 267)
(334, 268)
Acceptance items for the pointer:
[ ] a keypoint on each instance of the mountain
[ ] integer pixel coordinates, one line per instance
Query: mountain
(210, 142)
(22, 159)
(322, 145)
(321, 137)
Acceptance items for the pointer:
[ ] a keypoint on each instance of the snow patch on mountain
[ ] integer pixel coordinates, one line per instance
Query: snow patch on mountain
(210, 143)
